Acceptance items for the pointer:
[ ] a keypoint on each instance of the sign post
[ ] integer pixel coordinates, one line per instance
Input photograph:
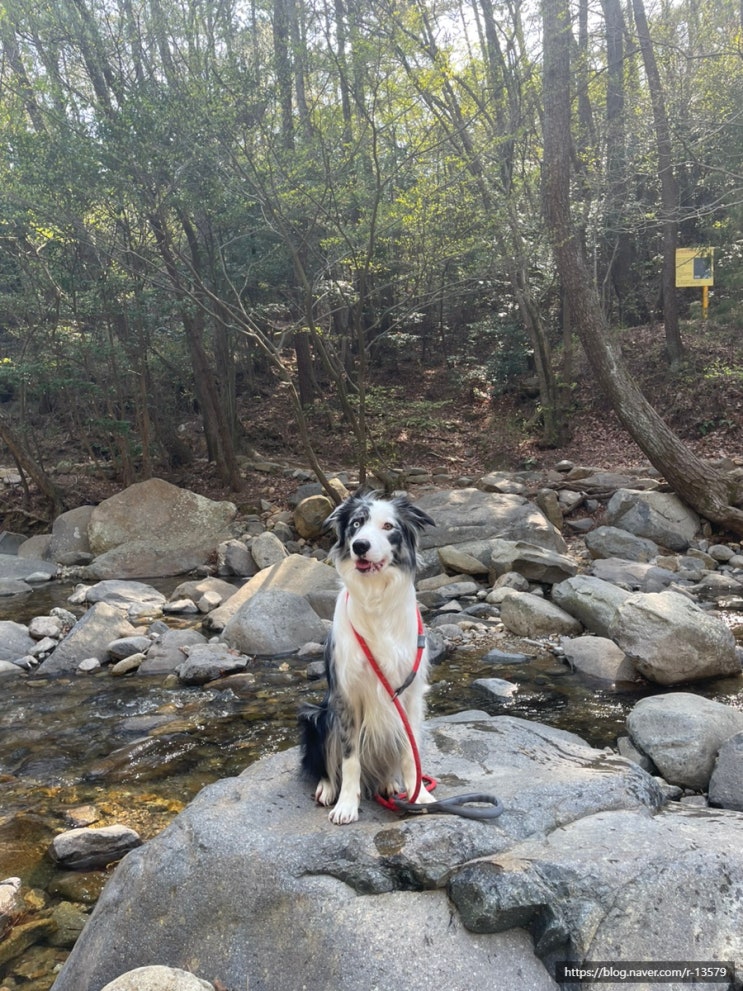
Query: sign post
(696, 267)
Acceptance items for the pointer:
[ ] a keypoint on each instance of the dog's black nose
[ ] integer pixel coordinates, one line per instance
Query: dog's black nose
(360, 547)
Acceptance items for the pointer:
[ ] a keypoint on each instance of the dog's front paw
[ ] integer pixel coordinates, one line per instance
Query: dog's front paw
(325, 793)
(344, 812)
(424, 797)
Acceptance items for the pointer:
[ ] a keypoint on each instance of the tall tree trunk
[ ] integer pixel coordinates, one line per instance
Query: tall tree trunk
(617, 242)
(706, 490)
(668, 186)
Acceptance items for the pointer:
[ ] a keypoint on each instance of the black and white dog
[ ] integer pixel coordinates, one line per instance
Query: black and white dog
(355, 741)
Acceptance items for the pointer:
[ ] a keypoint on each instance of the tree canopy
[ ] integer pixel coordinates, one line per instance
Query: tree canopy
(199, 198)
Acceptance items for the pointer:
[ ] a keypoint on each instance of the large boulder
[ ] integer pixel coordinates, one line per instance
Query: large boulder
(154, 528)
(70, 543)
(470, 515)
(671, 640)
(272, 623)
(612, 541)
(658, 516)
(320, 906)
(533, 562)
(300, 575)
(617, 886)
(593, 601)
(89, 637)
(681, 733)
(529, 615)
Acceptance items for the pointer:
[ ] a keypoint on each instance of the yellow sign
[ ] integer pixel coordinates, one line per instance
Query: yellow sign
(695, 267)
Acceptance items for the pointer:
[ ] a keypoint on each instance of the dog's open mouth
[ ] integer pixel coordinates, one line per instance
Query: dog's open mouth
(368, 567)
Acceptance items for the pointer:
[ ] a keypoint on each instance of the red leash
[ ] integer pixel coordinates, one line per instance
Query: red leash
(394, 695)
(471, 806)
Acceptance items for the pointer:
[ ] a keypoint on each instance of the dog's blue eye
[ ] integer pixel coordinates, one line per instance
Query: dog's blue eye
(356, 524)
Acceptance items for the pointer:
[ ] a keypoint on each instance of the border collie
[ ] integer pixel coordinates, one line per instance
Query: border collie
(355, 742)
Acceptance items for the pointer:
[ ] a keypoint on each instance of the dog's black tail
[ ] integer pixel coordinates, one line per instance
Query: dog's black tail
(314, 725)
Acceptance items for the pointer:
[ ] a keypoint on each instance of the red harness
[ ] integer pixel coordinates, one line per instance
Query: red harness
(394, 695)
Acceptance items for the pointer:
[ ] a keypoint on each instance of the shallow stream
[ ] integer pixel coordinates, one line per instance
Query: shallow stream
(96, 750)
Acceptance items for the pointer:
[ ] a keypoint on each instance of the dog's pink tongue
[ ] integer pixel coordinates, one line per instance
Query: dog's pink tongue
(363, 565)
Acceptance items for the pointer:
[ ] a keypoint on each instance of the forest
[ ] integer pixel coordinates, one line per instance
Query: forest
(205, 202)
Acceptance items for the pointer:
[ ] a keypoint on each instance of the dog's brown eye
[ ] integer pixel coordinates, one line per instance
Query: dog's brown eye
(388, 526)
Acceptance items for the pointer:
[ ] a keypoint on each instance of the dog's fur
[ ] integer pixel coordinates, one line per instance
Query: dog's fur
(354, 742)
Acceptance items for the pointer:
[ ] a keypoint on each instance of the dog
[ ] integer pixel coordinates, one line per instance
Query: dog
(355, 742)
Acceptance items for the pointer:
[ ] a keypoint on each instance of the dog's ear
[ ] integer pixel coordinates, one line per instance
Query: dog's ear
(412, 515)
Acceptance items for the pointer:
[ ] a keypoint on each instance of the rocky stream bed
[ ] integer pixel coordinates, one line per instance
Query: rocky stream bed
(524, 624)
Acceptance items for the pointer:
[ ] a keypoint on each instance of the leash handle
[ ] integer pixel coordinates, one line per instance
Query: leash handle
(473, 805)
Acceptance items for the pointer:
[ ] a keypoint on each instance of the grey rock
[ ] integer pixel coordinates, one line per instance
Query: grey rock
(70, 920)
(671, 640)
(208, 662)
(15, 640)
(10, 669)
(459, 561)
(458, 590)
(499, 687)
(464, 515)
(10, 587)
(126, 646)
(273, 622)
(167, 653)
(538, 564)
(496, 656)
(616, 886)
(310, 516)
(70, 534)
(194, 590)
(626, 748)
(301, 575)
(512, 579)
(36, 547)
(659, 516)
(632, 575)
(715, 587)
(529, 615)
(158, 978)
(16, 568)
(85, 848)
(267, 550)
(682, 733)
(549, 503)
(234, 558)
(593, 601)
(11, 542)
(313, 899)
(89, 637)
(600, 658)
(726, 782)
(611, 541)
(45, 626)
(154, 528)
(124, 594)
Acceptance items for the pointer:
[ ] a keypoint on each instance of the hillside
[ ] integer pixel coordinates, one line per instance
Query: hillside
(443, 419)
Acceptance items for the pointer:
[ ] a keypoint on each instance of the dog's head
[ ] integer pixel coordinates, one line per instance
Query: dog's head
(374, 534)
